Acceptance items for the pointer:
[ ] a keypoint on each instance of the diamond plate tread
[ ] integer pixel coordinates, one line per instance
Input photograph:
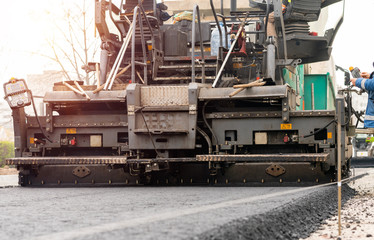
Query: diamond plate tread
(164, 96)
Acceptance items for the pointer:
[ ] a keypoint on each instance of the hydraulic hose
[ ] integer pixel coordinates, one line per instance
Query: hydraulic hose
(319, 130)
(207, 124)
(37, 119)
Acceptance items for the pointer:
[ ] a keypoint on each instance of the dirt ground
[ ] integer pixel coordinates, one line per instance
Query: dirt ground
(357, 214)
(8, 171)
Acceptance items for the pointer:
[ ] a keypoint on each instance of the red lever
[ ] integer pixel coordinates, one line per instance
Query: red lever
(73, 142)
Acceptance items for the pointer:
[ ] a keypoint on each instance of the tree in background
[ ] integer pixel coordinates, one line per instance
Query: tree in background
(74, 44)
(6, 151)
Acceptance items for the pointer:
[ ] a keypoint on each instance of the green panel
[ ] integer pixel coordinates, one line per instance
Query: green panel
(324, 95)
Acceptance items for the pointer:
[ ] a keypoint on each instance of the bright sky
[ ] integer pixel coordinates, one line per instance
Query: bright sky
(353, 44)
(26, 27)
(27, 24)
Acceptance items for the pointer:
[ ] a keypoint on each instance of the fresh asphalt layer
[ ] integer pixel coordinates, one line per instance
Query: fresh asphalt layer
(154, 212)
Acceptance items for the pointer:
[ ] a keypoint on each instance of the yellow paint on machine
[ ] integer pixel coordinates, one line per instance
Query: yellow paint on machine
(329, 135)
(32, 141)
(71, 130)
(285, 126)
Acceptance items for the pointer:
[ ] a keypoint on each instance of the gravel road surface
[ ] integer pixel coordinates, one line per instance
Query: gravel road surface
(357, 214)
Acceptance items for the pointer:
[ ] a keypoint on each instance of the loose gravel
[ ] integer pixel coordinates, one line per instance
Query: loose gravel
(291, 221)
(357, 214)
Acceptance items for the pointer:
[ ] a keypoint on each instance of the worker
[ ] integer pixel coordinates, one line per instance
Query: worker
(366, 82)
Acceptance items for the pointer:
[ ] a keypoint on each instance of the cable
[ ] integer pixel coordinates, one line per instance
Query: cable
(207, 139)
(37, 119)
(319, 130)
(149, 132)
(348, 100)
(207, 124)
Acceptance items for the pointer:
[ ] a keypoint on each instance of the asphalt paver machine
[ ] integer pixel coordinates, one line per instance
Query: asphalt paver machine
(166, 110)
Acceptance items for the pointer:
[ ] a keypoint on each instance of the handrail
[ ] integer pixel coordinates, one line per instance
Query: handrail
(267, 18)
(121, 7)
(225, 26)
(133, 62)
(196, 10)
(218, 76)
(159, 32)
(147, 22)
(217, 23)
(143, 49)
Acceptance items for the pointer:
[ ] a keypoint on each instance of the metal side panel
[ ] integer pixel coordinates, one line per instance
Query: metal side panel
(279, 91)
(246, 127)
(155, 116)
(75, 176)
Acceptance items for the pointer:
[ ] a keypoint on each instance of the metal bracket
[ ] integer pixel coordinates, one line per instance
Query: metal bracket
(279, 23)
(288, 62)
(285, 110)
(49, 118)
(157, 59)
(152, 167)
(275, 170)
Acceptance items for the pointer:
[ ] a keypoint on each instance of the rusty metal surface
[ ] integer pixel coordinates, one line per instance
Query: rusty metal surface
(302, 157)
(66, 160)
